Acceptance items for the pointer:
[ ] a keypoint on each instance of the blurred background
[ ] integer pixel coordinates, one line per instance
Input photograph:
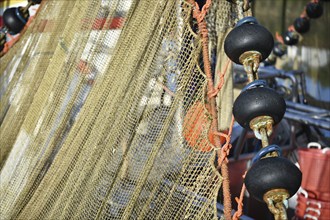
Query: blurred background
(312, 54)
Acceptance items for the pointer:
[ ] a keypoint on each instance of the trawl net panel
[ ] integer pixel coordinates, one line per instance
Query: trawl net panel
(103, 113)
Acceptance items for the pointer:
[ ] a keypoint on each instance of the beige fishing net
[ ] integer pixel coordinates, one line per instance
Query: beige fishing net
(104, 116)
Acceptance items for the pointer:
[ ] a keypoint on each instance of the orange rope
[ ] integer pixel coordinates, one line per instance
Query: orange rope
(279, 38)
(199, 15)
(291, 28)
(227, 146)
(166, 89)
(239, 202)
(303, 14)
(5, 50)
(221, 80)
(12, 41)
(222, 163)
(226, 192)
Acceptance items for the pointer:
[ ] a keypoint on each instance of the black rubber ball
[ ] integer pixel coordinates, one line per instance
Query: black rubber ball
(248, 37)
(15, 20)
(260, 101)
(272, 173)
(290, 38)
(279, 49)
(301, 25)
(314, 10)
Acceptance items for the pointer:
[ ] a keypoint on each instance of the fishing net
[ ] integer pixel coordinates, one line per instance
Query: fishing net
(104, 112)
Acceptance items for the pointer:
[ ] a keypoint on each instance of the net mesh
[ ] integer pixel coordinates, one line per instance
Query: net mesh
(104, 112)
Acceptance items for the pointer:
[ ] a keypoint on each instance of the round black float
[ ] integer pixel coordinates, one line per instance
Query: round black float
(290, 38)
(15, 19)
(314, 10)
(248, 36)
(301, 25)
(272, 173)
(260, 101)
(279, 49)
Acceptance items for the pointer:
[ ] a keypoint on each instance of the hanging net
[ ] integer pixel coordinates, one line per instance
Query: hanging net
(104, 112)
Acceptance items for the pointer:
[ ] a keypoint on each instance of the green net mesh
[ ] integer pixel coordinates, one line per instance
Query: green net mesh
(103, 112)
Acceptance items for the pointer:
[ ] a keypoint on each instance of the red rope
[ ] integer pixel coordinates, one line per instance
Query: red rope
(221, 80)
(239, 202)
(199, 15)
(227, 146)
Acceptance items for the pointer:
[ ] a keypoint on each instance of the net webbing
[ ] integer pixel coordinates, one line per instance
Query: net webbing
(103, 113)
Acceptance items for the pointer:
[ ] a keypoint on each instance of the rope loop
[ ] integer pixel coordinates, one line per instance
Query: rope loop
(239, 202)
(225, 149)
(197, 12)
(216, 90)
(200, 15)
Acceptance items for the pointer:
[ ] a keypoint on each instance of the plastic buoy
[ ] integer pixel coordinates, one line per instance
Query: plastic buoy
(255, 102)
(272, 173)
(248, 36)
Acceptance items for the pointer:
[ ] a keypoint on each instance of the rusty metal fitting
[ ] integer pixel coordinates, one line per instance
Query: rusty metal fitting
(262, 127)
(251, 61)
(275, 200)
(26, 8)
(25, 11)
